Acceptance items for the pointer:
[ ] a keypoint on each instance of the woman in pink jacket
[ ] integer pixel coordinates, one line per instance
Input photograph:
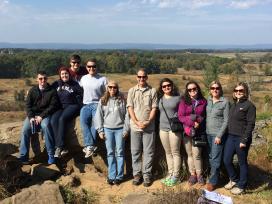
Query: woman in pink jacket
(191, 113)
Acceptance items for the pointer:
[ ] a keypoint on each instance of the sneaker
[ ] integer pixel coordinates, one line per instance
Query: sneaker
(110, 181)
(210, 187)
(24, 161)
(137, 180)
(237, 191)
(147, 182)
(200, 180)
(51, 160)
(192, 180)
(230, 185)
(117, 181)
(165, 180)
(172, 181)
(64, 152)
(57, 152)
(89, 151)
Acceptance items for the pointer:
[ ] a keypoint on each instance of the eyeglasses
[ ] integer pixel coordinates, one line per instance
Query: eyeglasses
(141, 77)
(215, 88)
(91, 66)
(238, 90)
(42, 78)
(112, 87)
(192, 89)
(75, 62)
(167, 85)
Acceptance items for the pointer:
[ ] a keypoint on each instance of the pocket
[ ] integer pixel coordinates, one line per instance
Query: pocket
(147, 100)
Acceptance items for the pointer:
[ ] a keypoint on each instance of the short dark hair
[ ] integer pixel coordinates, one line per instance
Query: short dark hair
(75, 57)
(41, 72)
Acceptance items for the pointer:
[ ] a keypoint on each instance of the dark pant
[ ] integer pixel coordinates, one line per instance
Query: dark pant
(59, 121)
(232, 146)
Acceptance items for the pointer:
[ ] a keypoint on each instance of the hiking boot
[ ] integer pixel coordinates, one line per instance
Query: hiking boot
(200, 180)
(89, 151)
(57, 152)
(237, 191)
(192, 180)
(210, 187)
(64, 152)
(110, 181)
(137, 180)
(117, 181)
(230, 185)
(24, 161)
(147, 182)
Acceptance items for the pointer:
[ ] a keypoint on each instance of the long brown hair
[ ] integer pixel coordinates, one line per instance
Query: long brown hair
(106, 96)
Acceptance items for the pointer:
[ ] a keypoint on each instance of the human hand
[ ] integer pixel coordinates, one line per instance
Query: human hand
(196, 125)
(38, 120)
(102, 136)
(217, 140)
(125, 135)
(242, 145)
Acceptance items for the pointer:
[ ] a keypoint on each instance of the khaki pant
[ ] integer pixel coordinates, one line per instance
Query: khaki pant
(194, 156)
(171, 143)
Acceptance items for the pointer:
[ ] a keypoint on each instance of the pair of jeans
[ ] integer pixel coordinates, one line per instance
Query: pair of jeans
(232, 146)
(142, 142)
(115, 145)
(215, 156)
(60, 120)
(26, 138)
(87, 114)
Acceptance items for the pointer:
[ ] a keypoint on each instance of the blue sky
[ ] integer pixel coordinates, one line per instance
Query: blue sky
(191, 22)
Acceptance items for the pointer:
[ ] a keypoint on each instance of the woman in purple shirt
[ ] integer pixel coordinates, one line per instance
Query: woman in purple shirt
(191, 112)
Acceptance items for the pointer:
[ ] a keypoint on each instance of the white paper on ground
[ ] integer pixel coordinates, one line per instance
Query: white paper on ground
(217, 197)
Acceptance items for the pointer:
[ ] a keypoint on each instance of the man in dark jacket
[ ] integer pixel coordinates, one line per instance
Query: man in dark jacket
(42, 101)
(76, 71)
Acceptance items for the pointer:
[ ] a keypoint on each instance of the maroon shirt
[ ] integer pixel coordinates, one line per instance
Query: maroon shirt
(77, 75)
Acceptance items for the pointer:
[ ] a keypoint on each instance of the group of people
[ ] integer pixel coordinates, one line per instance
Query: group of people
(106, 112)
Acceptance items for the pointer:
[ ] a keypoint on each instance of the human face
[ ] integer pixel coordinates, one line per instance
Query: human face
(192, 90)
(166, 88)
(141, 78)
(42, 80)
(215, 91)
(75, 64)
(239, 92)
(112, 88)
(91, 68)
(64, 76)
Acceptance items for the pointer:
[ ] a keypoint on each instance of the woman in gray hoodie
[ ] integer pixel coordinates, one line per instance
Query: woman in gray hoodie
(216, 125)
(111, 123)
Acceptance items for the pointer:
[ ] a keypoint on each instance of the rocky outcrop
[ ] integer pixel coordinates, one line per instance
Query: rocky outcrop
(48, 192)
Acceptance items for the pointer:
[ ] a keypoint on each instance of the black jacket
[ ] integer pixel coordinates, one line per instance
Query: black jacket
(41, 103)
(242, 117)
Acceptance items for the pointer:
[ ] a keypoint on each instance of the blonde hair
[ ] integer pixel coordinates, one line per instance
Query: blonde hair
(220, 87)
(106, 96)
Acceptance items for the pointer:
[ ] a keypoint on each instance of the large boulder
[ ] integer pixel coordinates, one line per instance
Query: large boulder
(48, 192)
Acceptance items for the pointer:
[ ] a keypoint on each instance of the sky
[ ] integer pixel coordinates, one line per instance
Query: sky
(184, 22)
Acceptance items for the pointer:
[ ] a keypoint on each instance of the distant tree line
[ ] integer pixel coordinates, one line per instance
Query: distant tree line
(26, 63)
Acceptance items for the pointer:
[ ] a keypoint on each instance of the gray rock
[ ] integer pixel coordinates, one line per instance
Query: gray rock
(46, 193)
(45, 172)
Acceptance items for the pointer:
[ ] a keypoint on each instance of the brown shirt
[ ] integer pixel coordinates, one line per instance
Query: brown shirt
(142, 100)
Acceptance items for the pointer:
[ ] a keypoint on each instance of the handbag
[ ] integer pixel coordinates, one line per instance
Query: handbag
(175, 124)
(200, 139)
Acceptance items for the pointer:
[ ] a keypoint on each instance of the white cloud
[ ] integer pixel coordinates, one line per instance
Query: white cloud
(3, 5)
(243, 4)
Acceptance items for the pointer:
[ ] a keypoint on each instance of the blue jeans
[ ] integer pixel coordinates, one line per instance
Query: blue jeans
(232, 146)
(60, 120)
(87, 114)
(26, 137)
(115, 145)
(215, 156)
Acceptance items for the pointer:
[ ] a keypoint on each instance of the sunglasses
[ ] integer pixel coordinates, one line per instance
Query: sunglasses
(215, 88)
(192, 89)
(238, 90)
(75, 62)
(42, 78)
(91, 66)
(141, 77)
(167, 85)
(112, 87)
